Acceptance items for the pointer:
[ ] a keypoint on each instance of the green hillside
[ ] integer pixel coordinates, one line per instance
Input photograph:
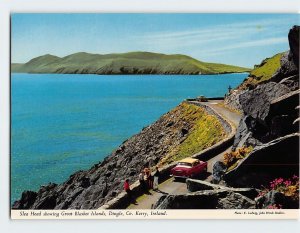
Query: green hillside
(262, 72)
(267, 68)
(123, 63)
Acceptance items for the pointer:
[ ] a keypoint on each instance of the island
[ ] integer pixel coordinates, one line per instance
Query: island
(123, 63)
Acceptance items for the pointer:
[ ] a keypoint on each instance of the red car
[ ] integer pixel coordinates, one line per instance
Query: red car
(189, 168)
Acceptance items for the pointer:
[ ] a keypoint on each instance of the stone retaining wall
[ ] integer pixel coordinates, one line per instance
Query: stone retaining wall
(122, 201)
(226, 124)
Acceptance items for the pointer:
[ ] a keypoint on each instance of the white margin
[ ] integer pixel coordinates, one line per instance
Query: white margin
(156, 6)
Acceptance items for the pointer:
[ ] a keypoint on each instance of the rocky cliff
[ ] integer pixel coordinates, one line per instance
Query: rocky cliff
(270, 108)
(269, 129)
(92, 188)
(270, 125)
(281, 68)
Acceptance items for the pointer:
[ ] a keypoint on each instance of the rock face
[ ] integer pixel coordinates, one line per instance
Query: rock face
(233, 100)
(292, 82)
(278, 158)
(27, 200)
(290, 60)
(294, 44)
(270, 124)
(275, 118)
(244, 135)
(92, 188)
(256, 103)
(199, 185)
(208, 199)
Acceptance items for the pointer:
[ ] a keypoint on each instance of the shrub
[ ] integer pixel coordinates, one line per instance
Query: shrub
(288, 187)
(231, 158)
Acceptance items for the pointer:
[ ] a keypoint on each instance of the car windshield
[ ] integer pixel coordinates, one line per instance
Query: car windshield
(184, 164)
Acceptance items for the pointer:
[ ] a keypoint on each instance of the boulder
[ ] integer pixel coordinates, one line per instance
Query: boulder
(235, 201)
(219, 170)
(249, 133)
(277, 120)
(285, 104)
(256, 103)
(292, 82)
(282, 114)
(232, 100)
(209, 199)
(278, 158)
(199, 185)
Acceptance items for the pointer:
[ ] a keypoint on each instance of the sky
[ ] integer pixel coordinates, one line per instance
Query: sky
(237, 39)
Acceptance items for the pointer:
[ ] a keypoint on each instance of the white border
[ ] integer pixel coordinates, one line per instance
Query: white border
(230, 6)
(271, 6)
(259, 214)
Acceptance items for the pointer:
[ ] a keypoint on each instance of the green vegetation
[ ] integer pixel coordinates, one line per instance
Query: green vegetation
(288, 187)
(206, 131)
(231, 159)
(262, 72)
(267, 68)
(123, 63)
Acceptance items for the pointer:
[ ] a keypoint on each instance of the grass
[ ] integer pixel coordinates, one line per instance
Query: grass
(263, 72)
(267, 68)
(123, 63)
(207, 131)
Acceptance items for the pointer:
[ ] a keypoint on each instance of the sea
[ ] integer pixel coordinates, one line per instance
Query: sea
(62, 123)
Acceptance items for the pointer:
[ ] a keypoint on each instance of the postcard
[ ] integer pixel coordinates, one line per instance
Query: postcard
(154, 116)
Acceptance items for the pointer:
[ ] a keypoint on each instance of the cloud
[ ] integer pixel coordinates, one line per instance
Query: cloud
(250, 26)
(248, 44)
(220, 37)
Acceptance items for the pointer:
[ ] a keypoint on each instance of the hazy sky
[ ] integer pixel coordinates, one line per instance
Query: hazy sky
(239, 39)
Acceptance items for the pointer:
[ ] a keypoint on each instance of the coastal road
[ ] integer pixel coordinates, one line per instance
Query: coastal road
(171, 186)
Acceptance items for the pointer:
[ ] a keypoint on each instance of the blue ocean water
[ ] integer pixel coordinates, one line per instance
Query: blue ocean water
(64, 123)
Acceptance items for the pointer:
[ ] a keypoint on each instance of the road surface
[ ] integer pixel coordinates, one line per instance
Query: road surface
(179, 187)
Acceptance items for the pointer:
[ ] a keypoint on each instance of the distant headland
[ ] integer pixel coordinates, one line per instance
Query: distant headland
(123, 63)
